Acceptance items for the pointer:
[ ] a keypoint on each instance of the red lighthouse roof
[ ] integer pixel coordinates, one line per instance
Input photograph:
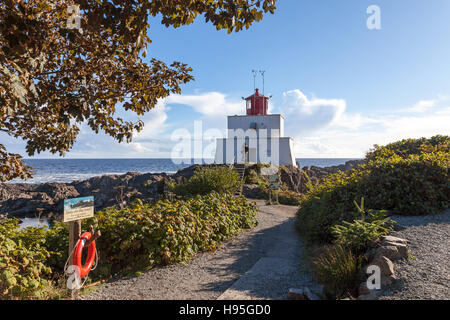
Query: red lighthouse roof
(256, 104)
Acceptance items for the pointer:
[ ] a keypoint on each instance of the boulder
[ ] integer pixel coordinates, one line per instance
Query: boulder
(402, 250)
(394, 248)
(386, 269)
(389, 251)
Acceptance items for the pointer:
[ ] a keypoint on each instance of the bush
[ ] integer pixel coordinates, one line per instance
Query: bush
(135, 238)
(205, 180)
(337, 268)
(407, 147)
(415, 184)
(23, 273)
(359, 234)
(289, 198)
(142, 236)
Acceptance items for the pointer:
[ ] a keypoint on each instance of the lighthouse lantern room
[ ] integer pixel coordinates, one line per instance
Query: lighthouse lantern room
(256, 104)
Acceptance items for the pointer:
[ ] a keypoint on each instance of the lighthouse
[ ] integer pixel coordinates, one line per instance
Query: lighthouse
(256, 137)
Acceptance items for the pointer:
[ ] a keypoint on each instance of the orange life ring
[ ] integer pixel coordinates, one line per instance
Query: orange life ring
(76, 259)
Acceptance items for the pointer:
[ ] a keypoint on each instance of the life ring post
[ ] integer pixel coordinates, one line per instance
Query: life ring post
(74, 235)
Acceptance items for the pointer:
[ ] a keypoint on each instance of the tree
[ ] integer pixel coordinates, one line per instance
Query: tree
(53, 77)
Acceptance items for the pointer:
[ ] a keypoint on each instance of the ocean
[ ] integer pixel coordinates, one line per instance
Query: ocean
(68, 170)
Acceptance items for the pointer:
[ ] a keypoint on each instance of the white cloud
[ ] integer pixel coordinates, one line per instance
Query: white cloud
(310, 114)
(211, 104)
(155, 122)
(423, 105)
(344, 134)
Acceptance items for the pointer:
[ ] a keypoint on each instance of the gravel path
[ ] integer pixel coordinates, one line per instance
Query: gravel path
(210, 274)
(428, 275)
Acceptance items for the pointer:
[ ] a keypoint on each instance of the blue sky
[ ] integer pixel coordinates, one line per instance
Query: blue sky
(341, 86)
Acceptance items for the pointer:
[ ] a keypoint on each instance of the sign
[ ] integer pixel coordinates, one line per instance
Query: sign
(78, 208)
(273, 178)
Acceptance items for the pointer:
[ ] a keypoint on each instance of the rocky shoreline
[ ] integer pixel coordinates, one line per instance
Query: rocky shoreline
(46, 200)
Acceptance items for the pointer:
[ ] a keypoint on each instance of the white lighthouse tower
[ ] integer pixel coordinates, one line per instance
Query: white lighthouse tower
(257, 137)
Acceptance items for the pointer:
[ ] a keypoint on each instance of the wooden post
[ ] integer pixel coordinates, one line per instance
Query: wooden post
(74, 235)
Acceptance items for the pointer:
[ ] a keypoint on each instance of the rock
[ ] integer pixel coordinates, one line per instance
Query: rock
(392, 239)
(23, 200)
(391, 247)
(296, 178)
(402, 250)
(394, 248)
(386, 269)
(389, 251)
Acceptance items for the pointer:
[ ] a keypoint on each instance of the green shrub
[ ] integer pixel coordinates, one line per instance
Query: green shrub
(205, 180)
(289, 198)
(142, 236)
(56, 242)
(133, 239)
(252, 177)
(23, 273)
(337, 268)
(407, 147)
(415, 184)
(359, 234)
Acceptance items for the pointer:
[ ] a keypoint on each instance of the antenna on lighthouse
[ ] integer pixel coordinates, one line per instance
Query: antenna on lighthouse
(254, 79)
(262, 72)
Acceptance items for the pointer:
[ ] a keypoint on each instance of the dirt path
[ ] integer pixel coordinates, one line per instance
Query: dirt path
(262, 263)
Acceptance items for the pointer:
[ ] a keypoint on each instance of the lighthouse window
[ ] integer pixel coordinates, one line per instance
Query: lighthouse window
(249, 105)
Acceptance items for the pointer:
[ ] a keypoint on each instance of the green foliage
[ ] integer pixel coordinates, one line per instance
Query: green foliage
(56, 242)
(407, 147)
(289, 198)
(359, 234)
(414, 184)
(23, 273)
(252, 177)
(337, 268)
(142, 236)
(135, 238)
(205, 180)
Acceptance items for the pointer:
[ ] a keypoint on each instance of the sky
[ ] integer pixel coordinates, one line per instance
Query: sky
(341, 87)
